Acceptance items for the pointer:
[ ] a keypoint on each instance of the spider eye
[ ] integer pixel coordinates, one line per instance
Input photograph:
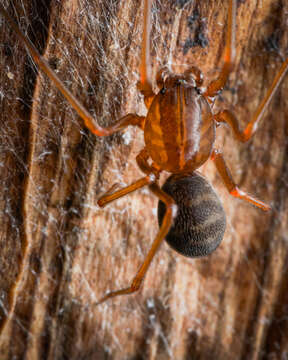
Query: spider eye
(162, 91)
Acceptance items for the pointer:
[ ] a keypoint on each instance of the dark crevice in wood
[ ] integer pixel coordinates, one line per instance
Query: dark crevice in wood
(39, 23)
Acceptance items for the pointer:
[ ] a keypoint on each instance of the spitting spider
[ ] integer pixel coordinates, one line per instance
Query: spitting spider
(179, 133)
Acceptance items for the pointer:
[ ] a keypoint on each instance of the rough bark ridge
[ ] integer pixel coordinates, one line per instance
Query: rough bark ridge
(59, 252)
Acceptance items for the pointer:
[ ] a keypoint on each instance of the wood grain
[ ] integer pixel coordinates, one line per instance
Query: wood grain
(60, 253)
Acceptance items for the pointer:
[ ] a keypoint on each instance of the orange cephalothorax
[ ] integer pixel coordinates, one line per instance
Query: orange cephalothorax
(179, 130)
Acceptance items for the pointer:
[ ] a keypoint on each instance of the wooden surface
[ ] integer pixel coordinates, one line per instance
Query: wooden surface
(60, 253)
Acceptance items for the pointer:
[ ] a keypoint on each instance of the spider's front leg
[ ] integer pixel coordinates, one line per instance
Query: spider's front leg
(89, 121)
(229, 54)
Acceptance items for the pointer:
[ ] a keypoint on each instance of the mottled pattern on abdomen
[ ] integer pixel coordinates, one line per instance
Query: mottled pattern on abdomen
(200, 222)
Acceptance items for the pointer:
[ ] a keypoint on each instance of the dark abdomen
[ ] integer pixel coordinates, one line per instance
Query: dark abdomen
(200, 222)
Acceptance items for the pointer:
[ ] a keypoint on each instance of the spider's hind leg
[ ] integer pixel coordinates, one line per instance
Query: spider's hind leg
(233, 189)
(171, 211)
(108, 197)
(152, 175)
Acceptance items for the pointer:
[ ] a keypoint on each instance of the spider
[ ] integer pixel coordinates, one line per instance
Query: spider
(179, 133)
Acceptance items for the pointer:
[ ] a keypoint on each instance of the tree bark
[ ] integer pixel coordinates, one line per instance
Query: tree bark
(60, 252)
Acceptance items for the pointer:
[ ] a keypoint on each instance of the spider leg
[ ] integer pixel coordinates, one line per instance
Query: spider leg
(229, 118)
(142, 161)
(152, 174)
(108, 197)
(89, 121)
(171, 210)
(229, 54)
(223, 170)
(145, 83)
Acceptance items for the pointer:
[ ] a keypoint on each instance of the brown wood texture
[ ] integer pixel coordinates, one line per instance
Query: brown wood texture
(60, 252)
